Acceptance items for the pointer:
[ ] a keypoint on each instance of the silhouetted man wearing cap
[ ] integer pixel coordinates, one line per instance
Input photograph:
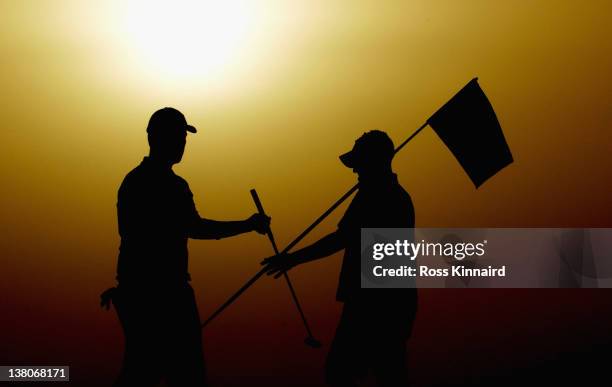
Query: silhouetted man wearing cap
(153, 299)
(375, 323)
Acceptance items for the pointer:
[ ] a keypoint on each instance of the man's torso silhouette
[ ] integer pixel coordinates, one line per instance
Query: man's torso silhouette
(155, 210)
(155, 303)
(375, 323)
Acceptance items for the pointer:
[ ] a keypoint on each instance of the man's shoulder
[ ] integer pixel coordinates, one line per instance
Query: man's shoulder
(131, 183)
(403, 201)
(141, 174)
(133, 176)
(386, 195)
(181, 181)
(403, 194)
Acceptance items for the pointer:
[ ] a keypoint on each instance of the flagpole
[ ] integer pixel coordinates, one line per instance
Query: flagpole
(411, 137)
(297, 240)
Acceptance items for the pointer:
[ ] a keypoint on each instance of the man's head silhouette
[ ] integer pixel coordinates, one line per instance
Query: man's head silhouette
(371, 155)
(167, 132)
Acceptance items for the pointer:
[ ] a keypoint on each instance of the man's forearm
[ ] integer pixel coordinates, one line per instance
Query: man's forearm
(324, 247)
(217, 229)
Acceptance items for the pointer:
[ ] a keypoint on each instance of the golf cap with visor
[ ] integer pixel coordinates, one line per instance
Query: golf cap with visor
(373, 147)
(167, 119)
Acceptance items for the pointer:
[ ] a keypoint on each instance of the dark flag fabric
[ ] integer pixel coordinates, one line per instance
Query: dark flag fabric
(469, 127)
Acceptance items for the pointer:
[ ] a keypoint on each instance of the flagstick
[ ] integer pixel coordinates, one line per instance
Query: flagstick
(300, 237)
(411, 137)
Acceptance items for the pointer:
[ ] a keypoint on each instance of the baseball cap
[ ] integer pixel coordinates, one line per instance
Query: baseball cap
(374, 146)
(168, 119)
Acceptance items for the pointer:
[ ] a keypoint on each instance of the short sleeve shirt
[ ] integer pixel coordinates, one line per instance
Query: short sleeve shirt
(382, 203)
(155, 211)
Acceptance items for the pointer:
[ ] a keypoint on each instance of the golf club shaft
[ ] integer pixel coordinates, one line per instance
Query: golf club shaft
(289, 284)
(262, 212)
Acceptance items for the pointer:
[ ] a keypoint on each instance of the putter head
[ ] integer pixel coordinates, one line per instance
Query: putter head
(312, 342)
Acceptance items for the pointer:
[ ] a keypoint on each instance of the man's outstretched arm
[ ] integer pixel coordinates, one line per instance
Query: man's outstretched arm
(216, 229)
(324, 247)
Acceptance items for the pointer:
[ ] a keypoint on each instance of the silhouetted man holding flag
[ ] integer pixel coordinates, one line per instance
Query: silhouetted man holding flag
(154, 301)
(375, 323)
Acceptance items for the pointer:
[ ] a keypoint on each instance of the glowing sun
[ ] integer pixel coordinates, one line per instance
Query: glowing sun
(188, 39)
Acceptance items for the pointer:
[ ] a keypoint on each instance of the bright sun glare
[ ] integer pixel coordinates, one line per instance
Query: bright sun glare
(188, 39)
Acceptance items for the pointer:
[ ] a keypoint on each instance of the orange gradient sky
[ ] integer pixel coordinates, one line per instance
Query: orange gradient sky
(277, 91)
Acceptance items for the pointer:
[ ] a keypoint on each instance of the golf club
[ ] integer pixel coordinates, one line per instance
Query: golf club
(310, 340)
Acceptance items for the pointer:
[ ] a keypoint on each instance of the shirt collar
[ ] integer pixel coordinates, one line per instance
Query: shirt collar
(148, 162)
(374, 182)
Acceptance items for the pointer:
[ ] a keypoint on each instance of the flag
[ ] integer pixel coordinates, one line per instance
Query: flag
(467, 124)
